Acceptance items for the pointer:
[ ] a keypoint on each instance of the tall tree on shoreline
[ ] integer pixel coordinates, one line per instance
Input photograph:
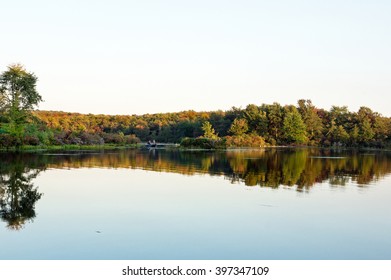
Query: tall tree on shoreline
(18, 96)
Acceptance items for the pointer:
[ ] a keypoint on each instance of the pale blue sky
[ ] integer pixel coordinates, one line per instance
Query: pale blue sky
(133, 57)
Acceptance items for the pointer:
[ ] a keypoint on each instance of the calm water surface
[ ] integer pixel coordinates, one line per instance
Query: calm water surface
(245, 204)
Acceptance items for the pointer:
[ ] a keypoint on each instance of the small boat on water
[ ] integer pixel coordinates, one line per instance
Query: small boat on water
(151, 144)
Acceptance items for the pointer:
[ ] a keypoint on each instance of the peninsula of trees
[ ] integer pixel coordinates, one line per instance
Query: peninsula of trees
(253, 126)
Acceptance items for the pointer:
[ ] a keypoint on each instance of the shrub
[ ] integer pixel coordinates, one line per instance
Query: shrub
(131, 139)
(245, 140)
(59, 138)
(203, 143)
(7, 140)
(91, 139)
(32, 140)
(111, 138)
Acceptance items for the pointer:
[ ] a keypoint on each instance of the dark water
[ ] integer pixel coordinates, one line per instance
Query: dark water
(244, 204)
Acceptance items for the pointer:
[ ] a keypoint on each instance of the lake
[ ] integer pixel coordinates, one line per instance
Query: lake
(170, 204)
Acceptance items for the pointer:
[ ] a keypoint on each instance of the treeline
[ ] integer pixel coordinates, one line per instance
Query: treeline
(264, 125)
(267, 124)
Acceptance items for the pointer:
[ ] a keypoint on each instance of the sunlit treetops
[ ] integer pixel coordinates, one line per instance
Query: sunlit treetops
(301, 124)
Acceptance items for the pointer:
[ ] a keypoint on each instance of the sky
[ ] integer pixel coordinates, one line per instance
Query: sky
(136, 57)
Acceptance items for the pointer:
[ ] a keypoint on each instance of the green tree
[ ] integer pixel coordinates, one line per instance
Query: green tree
(294, 128)
(18, 96)
(311, 119)
(256, 119)
(336, 134)
(341, 135)
(380, 128)
(340, 115)
(275, 120)
(354, 135)
(366, 131)
(366, 118)
(209, 131)
(239, 127)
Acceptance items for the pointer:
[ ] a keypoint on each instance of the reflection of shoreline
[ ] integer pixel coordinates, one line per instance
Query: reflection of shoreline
(266, 168)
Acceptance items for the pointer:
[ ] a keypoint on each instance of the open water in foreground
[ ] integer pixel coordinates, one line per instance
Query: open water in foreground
(158, 204)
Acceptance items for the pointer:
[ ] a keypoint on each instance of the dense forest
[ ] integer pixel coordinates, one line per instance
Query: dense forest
(267, 124)
(253, 126)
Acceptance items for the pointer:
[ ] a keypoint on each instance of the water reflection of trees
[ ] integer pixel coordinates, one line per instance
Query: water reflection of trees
(304, 167)
(300, 168)
(17, 192)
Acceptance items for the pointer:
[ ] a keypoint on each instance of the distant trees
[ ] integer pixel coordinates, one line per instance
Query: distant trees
(20, 125)
(255, 125)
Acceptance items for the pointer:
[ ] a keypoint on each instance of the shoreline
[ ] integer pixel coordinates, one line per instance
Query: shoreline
(71, 147)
